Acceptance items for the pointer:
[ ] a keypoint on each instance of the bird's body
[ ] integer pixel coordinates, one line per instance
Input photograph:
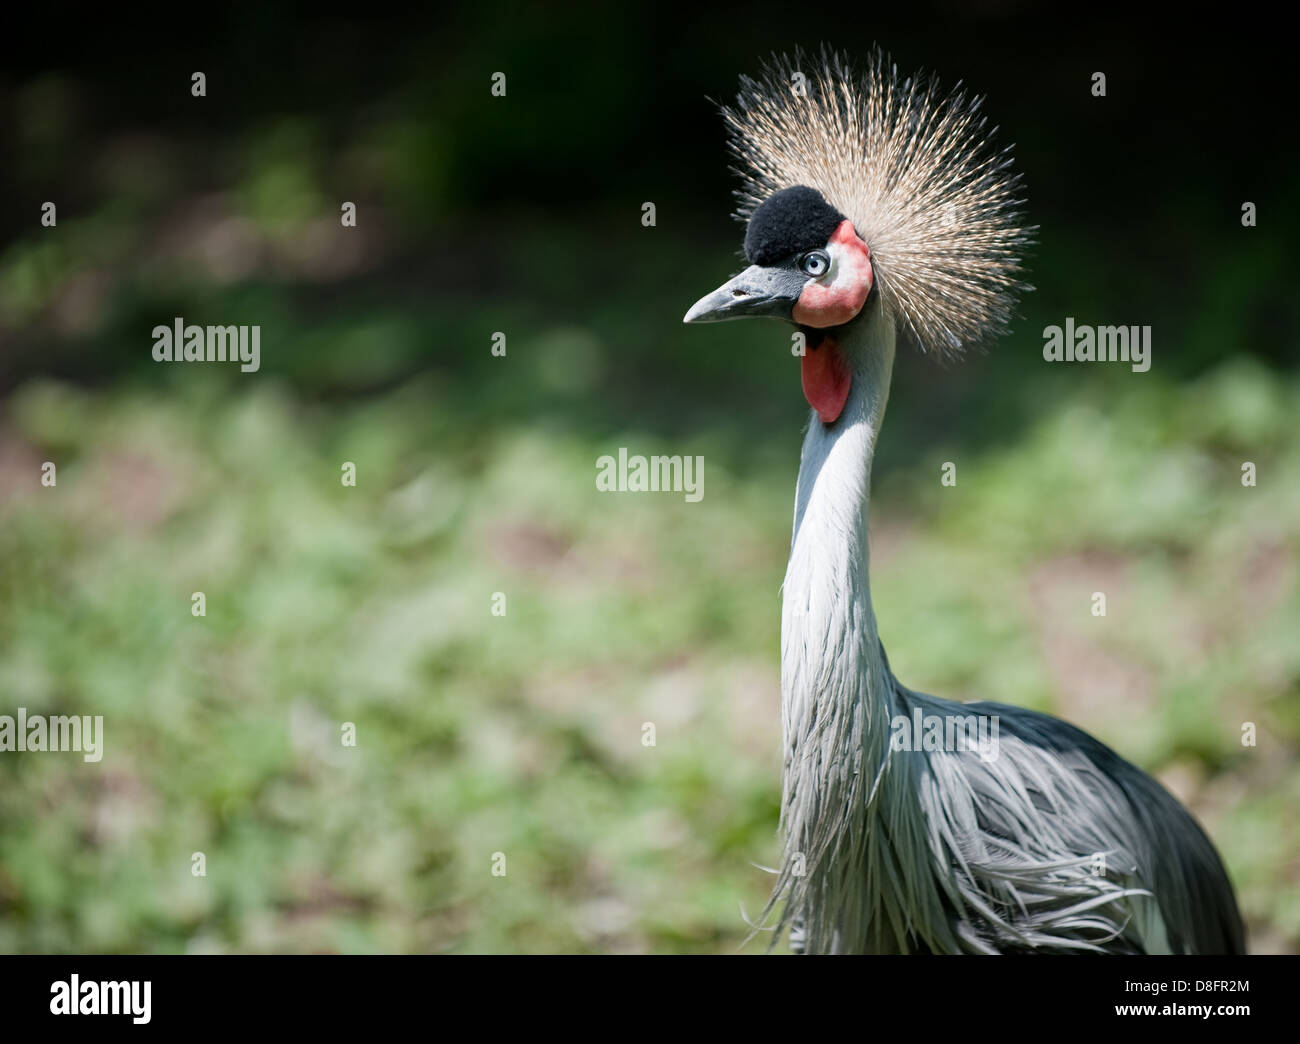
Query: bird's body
(1044, 840)
(1050, 842)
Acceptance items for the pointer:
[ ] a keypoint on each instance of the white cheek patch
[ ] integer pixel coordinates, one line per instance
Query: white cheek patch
(848, 266)
(836, 253)
(838, 295)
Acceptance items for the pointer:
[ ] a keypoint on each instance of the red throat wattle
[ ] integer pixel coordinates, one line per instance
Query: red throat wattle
(826, 379)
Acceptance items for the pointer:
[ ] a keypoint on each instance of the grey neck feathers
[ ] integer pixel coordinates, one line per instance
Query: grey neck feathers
(843, 815)
(865, 827)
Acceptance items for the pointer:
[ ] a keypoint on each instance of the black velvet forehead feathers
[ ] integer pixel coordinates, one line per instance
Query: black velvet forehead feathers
(788, 222)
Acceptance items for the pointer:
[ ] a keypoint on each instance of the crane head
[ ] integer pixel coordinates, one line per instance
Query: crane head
(807, 265)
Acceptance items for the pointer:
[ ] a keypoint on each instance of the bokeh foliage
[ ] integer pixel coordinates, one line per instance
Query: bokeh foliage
(371, 605)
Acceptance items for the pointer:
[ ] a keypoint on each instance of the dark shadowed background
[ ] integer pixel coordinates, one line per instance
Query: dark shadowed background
(522, 734)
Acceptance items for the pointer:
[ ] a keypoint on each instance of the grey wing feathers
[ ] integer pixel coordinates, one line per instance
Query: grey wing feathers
(1059, 844)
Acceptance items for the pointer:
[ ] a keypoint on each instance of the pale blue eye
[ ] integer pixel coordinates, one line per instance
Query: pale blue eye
(816, 263)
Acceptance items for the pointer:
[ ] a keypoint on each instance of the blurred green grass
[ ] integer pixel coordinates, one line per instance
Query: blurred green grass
(523, 734)
(372, 605)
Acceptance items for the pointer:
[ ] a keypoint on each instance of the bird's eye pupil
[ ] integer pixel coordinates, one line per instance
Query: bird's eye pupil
(815, 263)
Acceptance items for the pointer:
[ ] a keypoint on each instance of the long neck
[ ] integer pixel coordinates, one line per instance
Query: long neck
(829, 647)
(836, 693)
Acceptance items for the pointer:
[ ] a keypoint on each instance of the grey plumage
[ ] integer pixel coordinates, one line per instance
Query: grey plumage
(1050, 842)
(1054, 845)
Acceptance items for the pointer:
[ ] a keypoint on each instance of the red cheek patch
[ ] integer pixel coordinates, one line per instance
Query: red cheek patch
(835, 303)
(826, 379)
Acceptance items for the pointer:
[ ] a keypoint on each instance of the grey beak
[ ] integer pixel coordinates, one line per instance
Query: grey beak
(757, 291)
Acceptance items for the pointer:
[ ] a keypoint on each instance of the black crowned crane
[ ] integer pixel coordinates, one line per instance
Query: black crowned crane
(876, 205)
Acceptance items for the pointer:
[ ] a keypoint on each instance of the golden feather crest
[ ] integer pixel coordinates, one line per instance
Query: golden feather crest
(913, 168)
